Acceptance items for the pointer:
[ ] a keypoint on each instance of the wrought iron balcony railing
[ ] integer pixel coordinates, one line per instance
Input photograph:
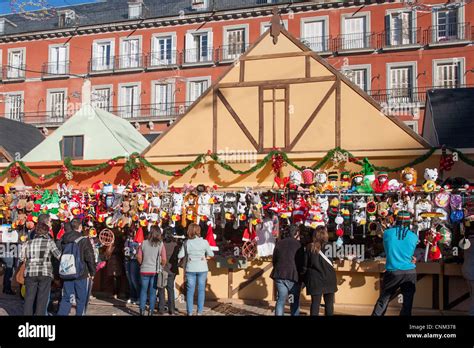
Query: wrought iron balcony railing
(162, 59)
(229, 53)
(55, 69)
(355, 41)
(130, 61)
(449, 32)
(318, 43)
(101, 64)
(14, 72)
(198, 55)
(400, 37)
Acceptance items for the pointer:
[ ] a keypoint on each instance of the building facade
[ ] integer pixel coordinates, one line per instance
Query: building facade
(147, 61)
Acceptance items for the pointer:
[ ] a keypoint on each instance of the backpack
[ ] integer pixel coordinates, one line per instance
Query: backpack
(70, 264)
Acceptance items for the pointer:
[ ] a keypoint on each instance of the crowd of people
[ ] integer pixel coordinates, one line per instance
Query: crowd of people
(69, 262)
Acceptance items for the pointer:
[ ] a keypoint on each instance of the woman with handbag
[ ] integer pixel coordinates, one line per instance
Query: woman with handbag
(320, 276)
(194, 251)
(38, 274)
(152, 258)
(172, 269)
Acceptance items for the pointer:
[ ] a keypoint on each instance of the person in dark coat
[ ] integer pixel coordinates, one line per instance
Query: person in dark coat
(320, 276)
(288, 258)
(172, 250)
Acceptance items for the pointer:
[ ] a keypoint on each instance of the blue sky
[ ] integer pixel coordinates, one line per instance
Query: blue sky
(6, 8)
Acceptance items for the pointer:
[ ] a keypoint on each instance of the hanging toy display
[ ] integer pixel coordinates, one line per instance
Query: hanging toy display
(430, 176)
(380, 184)
(408, 177)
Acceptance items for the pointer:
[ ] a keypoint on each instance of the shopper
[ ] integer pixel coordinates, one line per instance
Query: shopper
(194, 251)
(9, 241)
(288, 258)
(320, 276)
(44, 219)
(400, 268)
(172, 268)
(76, 285)
(132, 267)
(152, 256)
(468, 265)
(38, 269)
(115, 263)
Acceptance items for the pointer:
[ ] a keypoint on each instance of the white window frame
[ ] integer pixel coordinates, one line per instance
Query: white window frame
(171, 102)
(389, 67)
(97, 42)
(194, 79)
(412, 123)
(22, 104)
(195, 4)
(413, 31)
(367, 68)
(140, 52)
(345, 16)
(154, 49)
(111, 91)
(434, 21)
(15, 73)
(138, 6)
(225, 41)
(189, 53)
(267, 23)
(62, 68)
(462, 68)
(49, 93)
(123, 112)
(325, 20)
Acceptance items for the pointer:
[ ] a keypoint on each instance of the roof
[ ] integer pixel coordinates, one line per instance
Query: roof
(151, 136)
(449, 117)
(105, 136)
(18, 137)
(110, 11)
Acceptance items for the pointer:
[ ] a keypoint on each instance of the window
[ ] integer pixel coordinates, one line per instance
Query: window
(446, 25)
(196, 88)
(102, 98)
(401, 83)
(198, 47)
(199, 4)
(163, 99)
(102, 55)
(16, 66)
(58, 60)
(57, 105)
(164, 50)
(264, 26)
(2, 26)
(129, 101)
(413, 125)
(67, 18)
(235, 43)
(130, 56)
(399, 29)
(14, 106)
(448, 73)
(355, 33)
(358, 76)
(313, 34)
(274, 110)
(135, 10)
(73, 147)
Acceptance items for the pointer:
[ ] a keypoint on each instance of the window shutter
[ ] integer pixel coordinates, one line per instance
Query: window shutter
(388, 30)
(189, 47)
(173, 49)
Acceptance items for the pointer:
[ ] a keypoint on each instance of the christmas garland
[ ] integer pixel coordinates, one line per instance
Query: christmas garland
(135, 162)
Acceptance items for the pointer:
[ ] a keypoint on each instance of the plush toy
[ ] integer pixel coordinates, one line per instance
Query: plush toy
(394, 185)
(241, 208)
(229, 207)
(409, 177)
(321, 179)
(357, 179)
(422, 206)
(177, 208)
(430, 175)
(380, 185)
(300, 210)
(433, 252)
(255, 211)
(333, 181)
(314, 217)
(359, 215)
(296, 177)
(345, 181)
(190, 209)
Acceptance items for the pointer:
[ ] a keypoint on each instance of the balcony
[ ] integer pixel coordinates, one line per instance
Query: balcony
(146, 112)
(229, 53)
(14, 73)
(448, 34)
(130, 62)
(101, 65)
(399, 39)
(320, 44)
(355, 43)
(198, 56)
(161, 60)
(55, 70)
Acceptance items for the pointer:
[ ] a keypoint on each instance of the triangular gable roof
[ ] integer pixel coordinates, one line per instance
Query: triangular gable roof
(105, 136)
(18, 138)
(324, 109)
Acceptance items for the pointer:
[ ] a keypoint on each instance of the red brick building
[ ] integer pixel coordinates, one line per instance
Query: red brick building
(149, 60)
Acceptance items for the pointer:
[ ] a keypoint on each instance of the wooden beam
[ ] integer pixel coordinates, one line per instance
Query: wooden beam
(242, 71)
(277, 55)
(252, 279)
(338, 112)
(230, 282)
(214, 121)
(312, 117)
(260, 119)
(270, 83)
(307, 69)
(236, 118)
(287, 117)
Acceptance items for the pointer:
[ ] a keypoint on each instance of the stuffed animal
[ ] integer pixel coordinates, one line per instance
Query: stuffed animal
(321, 179)
(409, 177)
(190, 209)
(299, 210)
(433, 252)
(314, 218)
(422, 206)
(241, 208)
(430, 175)
(380, 184)
(357, 179)
(333, 182)
(229, 207)
(296, 177)
(177, 208)
(255, 211)
(204, 207)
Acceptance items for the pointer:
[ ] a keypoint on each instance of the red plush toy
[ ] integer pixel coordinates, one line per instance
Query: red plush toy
(431, 241)
(380, 184)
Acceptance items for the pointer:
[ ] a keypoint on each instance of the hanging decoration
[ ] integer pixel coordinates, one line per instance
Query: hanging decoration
(277, 163)
(14, 171)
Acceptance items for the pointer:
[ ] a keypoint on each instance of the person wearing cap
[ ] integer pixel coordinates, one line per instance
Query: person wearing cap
(400, 268)
(468, 264)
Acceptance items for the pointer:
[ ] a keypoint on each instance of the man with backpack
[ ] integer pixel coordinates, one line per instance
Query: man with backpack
(76, 268)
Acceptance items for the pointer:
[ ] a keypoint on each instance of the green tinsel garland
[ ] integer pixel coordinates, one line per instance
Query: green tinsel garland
(135, 161)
